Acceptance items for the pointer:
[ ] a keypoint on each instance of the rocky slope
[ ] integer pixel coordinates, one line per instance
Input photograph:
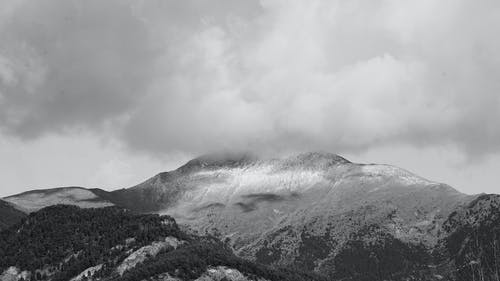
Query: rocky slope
(307, 211)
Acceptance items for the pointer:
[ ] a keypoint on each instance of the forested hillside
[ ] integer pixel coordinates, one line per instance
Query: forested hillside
(9, 215)
(68, 243)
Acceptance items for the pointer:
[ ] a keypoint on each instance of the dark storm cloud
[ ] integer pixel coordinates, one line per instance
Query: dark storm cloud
(194, 76)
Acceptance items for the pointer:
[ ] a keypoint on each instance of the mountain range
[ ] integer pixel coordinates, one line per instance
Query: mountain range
(313, 212)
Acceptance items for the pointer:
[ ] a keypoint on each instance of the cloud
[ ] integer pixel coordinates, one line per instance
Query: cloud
(192, 76)
(68, 64)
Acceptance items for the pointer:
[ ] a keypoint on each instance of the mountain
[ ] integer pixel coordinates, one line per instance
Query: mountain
(115, 244)
(35, 200)
(308, 211)
(319, 212)
(9, 214)
(472, 241)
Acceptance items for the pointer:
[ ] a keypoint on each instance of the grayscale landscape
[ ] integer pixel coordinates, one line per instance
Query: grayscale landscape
(236, 140)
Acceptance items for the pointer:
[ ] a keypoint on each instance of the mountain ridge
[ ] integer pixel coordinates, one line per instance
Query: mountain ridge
(34, 200)
(317, 212)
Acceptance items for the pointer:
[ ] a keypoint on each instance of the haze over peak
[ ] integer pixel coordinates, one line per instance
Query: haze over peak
(221, 159)
(239, 159)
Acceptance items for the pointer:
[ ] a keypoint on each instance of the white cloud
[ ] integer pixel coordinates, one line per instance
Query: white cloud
(293, 75)
(75, 160)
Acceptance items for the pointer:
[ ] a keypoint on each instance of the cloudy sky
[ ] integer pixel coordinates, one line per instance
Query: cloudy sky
(107, 93)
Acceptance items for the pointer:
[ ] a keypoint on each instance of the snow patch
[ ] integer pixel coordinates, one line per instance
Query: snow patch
(254, 179)
(396, 173)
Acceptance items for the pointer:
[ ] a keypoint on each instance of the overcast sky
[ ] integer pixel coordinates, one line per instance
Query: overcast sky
(108, 93)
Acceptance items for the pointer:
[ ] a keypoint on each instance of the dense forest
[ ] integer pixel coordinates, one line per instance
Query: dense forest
(59, 242)
(9, 215)
(65, 240)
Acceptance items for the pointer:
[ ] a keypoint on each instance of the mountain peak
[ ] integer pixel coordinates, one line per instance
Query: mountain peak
(221, 159)
(321, 157)
(237, 159)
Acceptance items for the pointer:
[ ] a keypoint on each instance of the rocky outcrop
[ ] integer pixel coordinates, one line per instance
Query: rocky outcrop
(146, 252)
(87, 273)
(222, 273)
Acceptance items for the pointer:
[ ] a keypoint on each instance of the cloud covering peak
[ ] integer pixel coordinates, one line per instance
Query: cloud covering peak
(197, 76)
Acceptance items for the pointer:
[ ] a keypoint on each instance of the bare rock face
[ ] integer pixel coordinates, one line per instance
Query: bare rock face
(146, 252)
(223, 273)
(89, 272)
(13, 274)
(217, 273)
